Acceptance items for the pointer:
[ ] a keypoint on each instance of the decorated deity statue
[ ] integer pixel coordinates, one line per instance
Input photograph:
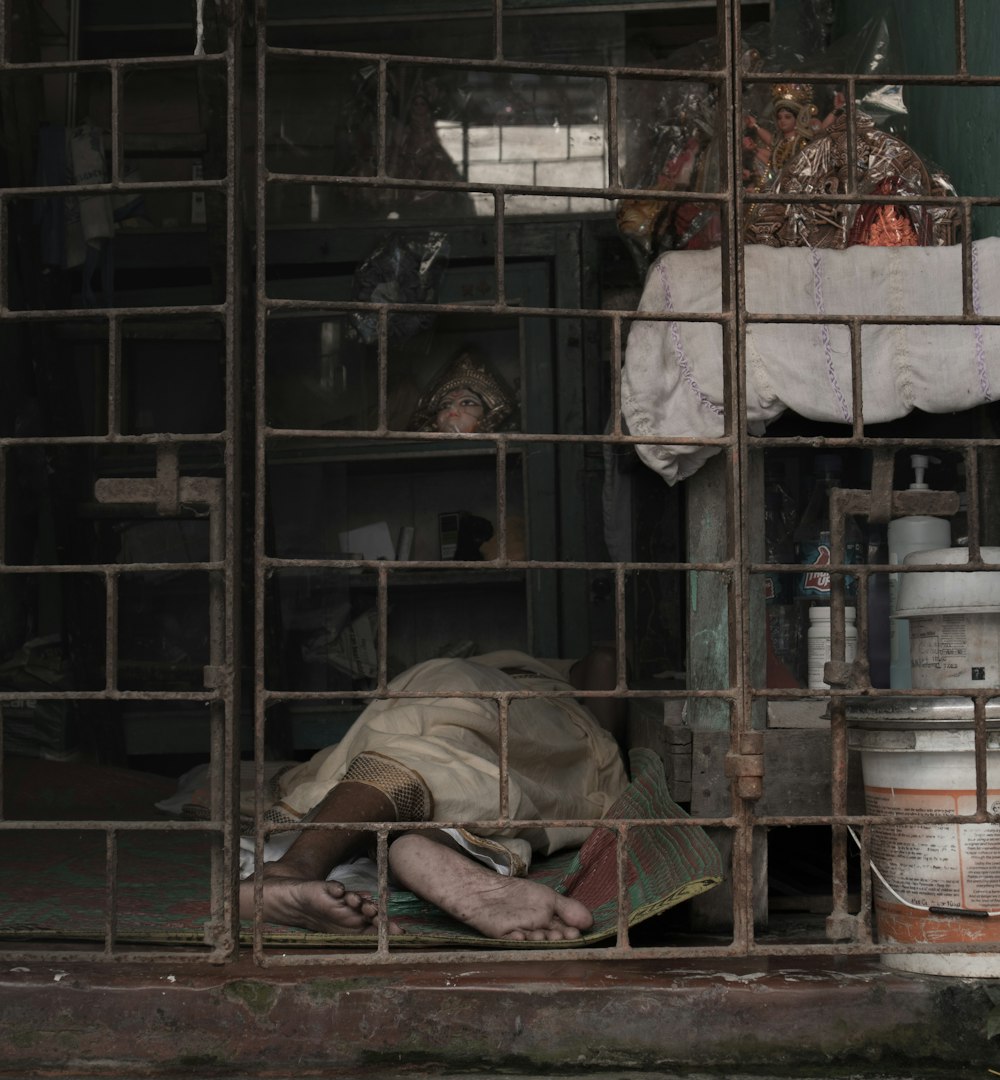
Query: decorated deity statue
(795, 119)
(884, 166)
(466, 396)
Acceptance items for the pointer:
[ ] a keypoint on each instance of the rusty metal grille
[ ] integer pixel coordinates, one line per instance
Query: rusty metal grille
(290, 220)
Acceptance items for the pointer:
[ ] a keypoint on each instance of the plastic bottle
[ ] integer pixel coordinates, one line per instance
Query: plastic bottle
(812, 548)
(906, 534)
(820, 641)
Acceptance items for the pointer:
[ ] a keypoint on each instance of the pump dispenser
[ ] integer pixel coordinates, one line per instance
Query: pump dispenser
(907, 534)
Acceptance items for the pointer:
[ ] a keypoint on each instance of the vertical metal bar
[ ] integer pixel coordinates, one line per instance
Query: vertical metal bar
(614, 164)
(4, 253)
(501, 481)
(111, 582)
(857, 389)
(972, 499)
(620, 628)
(499, 211)
(961, 41)
(116, 169)
(110, 890)
(616, 375)
(503, 714)
(851, 119)
(3, 508)
(382, 865)
(621, 875)
(979, 719)
(734, 346)
(382, 603)
(114, 374)
(863, 923)
(839, 916)
(498, 29)
(221, 761)
(382, 107)
(968, 289)
(72, 53)
(383, 370)
(260, 579)
(232, 532)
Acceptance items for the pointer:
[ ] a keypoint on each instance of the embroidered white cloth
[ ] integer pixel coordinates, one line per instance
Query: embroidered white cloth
(672, 383)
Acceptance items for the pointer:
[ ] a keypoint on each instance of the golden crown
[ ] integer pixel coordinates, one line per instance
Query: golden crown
(793, 96)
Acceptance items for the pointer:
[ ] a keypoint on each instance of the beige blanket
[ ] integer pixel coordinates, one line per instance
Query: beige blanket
(561, 763)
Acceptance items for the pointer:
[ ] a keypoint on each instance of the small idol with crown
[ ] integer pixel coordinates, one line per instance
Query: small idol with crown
(795, 118)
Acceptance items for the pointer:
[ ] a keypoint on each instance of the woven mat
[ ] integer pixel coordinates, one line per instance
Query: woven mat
(163, 881)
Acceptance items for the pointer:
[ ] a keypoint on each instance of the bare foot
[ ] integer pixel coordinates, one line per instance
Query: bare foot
(324, 906)
(498, 907)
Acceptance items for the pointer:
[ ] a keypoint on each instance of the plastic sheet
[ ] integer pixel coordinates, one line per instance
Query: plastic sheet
(401, 269)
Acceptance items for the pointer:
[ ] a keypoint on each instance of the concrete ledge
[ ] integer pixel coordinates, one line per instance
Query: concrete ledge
(526, 1017)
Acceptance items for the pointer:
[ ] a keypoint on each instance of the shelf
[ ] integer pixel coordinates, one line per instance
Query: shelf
(402, 578)
(297, 449)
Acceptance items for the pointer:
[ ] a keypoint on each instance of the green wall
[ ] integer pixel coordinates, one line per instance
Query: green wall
(955, 126)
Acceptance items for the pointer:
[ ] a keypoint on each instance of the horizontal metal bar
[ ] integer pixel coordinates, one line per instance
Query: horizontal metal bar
(109, 64)
(196, 696)
(511, 67)
(111, 825)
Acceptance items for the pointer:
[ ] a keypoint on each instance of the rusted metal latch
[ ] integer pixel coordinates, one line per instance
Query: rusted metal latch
(747, 765)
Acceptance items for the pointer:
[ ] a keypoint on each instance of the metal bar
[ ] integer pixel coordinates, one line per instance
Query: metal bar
(110, 891)
(226, 942)
(261, 577)
(961, 40)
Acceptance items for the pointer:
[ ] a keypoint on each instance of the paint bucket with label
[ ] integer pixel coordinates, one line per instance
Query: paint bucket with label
(933, 883)
(954, 620)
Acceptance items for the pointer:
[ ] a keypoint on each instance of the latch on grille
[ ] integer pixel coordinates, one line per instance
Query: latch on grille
(747, 765)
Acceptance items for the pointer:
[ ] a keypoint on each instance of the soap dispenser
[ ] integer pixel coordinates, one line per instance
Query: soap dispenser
(906, 534)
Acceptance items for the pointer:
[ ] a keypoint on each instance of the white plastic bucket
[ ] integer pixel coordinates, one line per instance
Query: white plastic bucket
(954, 621)
(932, 770)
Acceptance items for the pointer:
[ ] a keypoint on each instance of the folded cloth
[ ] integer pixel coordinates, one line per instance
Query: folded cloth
(672, 383)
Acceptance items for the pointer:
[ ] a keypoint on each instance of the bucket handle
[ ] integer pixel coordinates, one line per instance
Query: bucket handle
(935, 909)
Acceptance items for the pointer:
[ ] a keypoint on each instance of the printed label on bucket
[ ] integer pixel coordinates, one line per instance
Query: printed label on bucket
(936, 865)
(954, 650)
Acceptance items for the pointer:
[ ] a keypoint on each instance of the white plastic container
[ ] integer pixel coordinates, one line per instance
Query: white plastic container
(906, 535)
(954, 621)
(819, 643)
(932, 770)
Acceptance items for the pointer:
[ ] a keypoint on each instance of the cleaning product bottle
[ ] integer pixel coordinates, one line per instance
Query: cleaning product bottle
(812, 548)
(916, 533)
(820, 642)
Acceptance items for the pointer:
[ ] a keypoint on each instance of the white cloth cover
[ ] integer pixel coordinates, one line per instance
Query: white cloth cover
(672, 383)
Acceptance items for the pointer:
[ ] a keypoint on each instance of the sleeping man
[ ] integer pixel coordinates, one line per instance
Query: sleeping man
(437, 758)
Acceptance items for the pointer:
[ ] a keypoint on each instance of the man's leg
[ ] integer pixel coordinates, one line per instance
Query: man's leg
(295, 889)
(498, 907)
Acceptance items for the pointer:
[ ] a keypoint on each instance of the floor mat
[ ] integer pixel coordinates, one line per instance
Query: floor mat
(162, 880)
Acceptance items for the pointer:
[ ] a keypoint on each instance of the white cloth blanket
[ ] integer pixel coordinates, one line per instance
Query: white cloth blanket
(672, 383)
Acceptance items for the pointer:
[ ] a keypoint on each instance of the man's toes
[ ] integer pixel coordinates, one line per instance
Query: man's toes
(356, 900)
(573, 913)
